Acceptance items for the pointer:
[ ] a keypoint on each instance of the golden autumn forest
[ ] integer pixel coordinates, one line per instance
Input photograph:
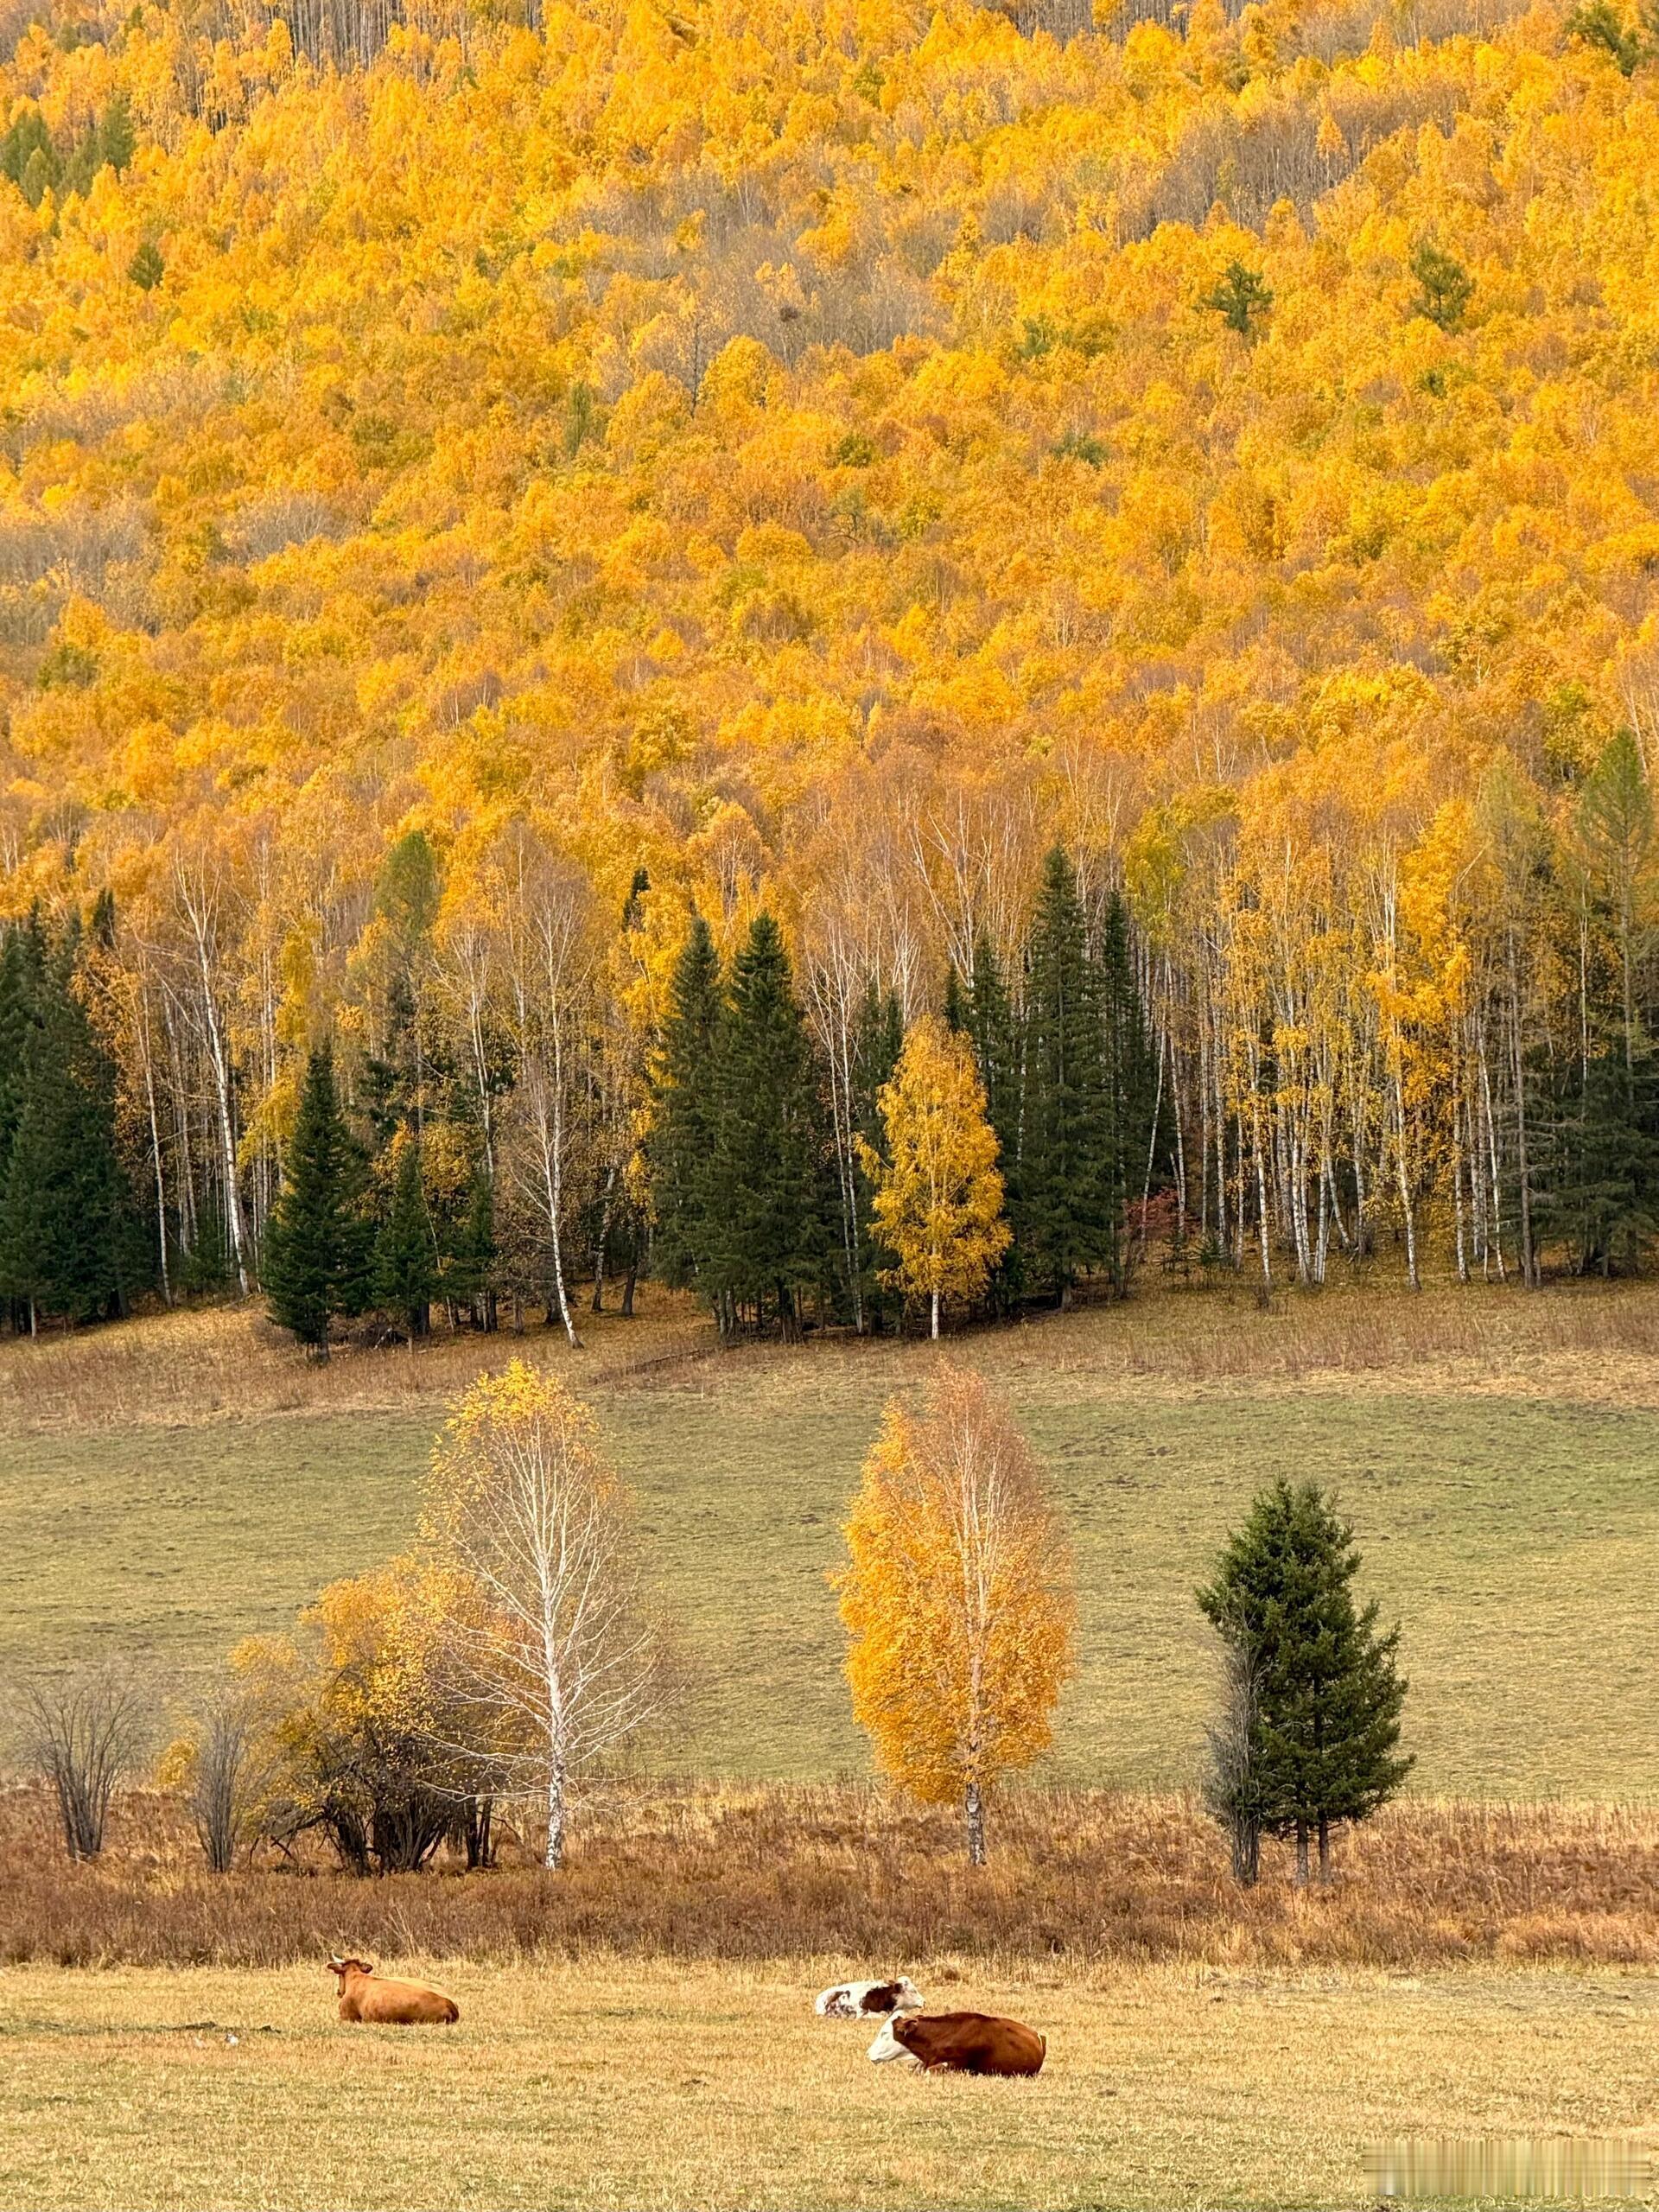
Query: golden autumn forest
(475, 494)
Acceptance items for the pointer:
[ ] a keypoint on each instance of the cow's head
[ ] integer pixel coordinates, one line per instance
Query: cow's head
(900, 1995)
(894, 2042)
(343, 1966)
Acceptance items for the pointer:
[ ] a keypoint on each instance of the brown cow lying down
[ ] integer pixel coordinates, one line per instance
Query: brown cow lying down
(961, 2042)
(363, 1996)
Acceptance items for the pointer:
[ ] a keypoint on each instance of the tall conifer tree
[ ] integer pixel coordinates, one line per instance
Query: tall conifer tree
(769, 1220)
(1324, 1730)
(1131, 1085)
(468, 1267)
(877, 1040)
(22, 961)
(64, 1211)
(1063, 1183)
(679, 1150)
(405, 1259)
(316, 1260)
(990, 1021)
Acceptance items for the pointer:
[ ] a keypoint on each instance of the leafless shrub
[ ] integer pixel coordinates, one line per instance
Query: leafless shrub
(82, 1734)
(225, 1780)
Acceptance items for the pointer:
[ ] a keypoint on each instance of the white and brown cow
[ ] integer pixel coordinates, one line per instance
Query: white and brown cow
(868, 2000)
(961, 2042)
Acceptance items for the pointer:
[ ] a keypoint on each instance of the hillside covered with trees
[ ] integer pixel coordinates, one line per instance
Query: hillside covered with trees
(477, 494)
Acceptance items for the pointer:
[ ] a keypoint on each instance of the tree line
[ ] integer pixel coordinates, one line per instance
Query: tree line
(840, 558)
(528, 1099)
(520, 1646)
(993, 1153)
(1452, 1057)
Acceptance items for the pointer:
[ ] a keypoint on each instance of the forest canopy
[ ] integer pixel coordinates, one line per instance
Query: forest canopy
(818, 459)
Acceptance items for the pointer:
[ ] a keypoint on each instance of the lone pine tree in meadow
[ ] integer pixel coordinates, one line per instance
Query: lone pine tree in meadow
(938, 1197)
(317, 1257)
(1321, 1728)
(958, 1600)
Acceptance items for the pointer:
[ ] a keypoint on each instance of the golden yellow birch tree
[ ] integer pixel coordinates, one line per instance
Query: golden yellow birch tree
(958, 1600)
(938, 1196)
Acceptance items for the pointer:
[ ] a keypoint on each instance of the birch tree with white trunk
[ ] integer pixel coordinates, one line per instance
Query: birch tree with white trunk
(561, 1653)
(549, 964)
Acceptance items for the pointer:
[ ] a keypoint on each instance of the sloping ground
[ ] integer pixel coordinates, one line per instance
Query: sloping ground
(1512, 1526)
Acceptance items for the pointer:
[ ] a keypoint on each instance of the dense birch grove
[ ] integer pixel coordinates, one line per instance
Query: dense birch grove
(476, 494)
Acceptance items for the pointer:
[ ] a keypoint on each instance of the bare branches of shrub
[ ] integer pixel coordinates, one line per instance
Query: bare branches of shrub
(82, 1734)
(221, 1770)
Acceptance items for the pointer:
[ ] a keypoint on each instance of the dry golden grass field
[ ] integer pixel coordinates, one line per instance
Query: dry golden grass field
(598, 2083)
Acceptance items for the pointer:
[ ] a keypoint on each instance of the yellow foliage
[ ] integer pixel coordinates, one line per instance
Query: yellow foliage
(938, 1196)
(957, 1600)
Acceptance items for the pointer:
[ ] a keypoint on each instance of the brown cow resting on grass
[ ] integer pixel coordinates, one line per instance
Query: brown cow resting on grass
(389, 2004)
(961, 2042)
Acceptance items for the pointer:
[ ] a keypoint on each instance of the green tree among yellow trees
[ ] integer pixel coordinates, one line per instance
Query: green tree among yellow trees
(938, 1196)
(956, 1599)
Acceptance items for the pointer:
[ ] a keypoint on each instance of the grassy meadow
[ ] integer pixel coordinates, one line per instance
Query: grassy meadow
(170, 1487)
(599, 2084)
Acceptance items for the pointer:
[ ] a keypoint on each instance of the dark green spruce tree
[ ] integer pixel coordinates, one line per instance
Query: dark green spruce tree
(1323, 1731)
(469, 1265)
(23, 971)
(679, 1149)
(316, 1261)
(1065, 1161)
(69, 1242)
(1595, 1127)
(405, 1257)
(770, 1202)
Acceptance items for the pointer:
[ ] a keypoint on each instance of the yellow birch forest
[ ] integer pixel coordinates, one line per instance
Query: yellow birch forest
(477, 489)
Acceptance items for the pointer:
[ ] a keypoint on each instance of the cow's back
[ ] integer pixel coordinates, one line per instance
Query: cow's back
(396, 2004)
(978, 2043)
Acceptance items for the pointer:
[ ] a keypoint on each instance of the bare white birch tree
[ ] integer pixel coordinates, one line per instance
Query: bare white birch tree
(550, 966)
(561, 1651)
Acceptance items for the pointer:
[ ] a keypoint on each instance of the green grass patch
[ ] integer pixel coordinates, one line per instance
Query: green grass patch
(1514, 1537)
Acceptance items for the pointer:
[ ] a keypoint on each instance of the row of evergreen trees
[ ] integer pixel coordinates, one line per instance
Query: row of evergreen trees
(72, 1243)
(741, 1160)
(342, 1242)
(743, 1165)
